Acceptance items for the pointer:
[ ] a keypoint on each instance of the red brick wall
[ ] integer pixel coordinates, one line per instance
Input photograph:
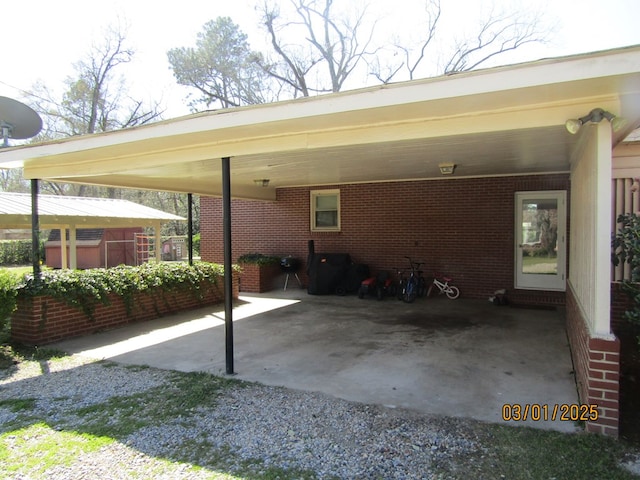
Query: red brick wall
(620, 302)
(259, 278)
(596, 363)
(42, 320)
(460, 227)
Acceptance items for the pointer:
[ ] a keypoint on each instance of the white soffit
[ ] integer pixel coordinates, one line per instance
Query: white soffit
(505, 120)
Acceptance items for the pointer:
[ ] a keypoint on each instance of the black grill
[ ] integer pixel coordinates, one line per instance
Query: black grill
(290, 264)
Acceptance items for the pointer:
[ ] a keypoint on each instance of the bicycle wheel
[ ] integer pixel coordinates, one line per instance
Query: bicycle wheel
(430, 289)
(422, 287)
(452, 292)
(410, 291)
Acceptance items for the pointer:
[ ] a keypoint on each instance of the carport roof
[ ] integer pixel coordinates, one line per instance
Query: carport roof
(499, 121)
(83, 212)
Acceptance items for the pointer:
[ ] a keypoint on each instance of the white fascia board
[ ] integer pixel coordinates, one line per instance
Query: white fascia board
(494, 80)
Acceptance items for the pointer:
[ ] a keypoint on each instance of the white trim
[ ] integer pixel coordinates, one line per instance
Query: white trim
(546, 282)
(313, 194)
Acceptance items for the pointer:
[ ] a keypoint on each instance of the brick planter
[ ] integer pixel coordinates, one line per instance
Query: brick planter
(259, 278)
(41, 320)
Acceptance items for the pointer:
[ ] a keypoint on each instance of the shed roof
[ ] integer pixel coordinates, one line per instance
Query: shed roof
(83, 212)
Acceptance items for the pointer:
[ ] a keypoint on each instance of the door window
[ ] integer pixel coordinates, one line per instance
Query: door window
(540, 240)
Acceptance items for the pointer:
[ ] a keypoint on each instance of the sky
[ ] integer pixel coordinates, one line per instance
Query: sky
(42, 39)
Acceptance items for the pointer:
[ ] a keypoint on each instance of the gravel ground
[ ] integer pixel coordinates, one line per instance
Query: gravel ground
(252, 426)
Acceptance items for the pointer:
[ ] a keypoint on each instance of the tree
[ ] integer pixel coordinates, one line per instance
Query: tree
(496, 34)
(222, 67)
(315, 48)
(333, 45)
(95, 100)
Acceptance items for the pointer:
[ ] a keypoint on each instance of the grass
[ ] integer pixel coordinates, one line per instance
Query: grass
(34, 441)
(539, 264)
(531, 454)
(21, 270)
(37, 448)
(11, 355)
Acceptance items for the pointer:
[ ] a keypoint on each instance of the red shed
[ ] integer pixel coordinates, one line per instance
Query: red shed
(97, 230)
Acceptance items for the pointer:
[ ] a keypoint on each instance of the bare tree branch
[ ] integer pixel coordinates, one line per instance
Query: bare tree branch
(499, 34)
(332, 44)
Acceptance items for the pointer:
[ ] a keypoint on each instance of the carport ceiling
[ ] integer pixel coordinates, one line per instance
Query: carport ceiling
(500, 121)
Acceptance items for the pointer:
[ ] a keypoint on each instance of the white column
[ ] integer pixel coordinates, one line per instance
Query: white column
(63, 248)
(158, 247)
(602, 172)
(73, 254)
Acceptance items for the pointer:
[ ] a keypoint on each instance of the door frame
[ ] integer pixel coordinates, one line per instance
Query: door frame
(531, 281)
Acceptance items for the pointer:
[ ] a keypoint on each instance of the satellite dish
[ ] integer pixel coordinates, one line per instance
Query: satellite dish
(17, 120)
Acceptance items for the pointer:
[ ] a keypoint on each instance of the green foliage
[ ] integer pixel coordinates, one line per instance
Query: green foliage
(17, 252)
(258, 259)
(85, 289)
(626, 249)
(222, 67)
(196, 243)
(8, 293)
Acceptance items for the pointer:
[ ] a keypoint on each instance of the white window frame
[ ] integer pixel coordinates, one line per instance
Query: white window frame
(320, 193)
(532, 281)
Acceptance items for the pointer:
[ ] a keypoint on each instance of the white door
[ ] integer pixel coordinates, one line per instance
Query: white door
(540, 240)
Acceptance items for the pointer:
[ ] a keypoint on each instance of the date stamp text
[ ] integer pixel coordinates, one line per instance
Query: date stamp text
(565, 412)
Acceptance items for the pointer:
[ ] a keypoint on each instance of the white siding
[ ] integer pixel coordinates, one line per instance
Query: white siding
(590, 258)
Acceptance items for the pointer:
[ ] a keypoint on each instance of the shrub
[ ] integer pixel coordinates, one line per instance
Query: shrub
(259, 259)
(195, 242)
(626, 248)
(17, 252)
(84, 289)
(8, 293)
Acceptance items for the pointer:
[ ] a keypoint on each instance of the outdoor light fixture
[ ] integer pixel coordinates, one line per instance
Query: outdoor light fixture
(261, 182)
(596, 115)
(447, 168)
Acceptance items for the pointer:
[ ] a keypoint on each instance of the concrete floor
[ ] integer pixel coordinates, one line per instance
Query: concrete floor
(463, 358)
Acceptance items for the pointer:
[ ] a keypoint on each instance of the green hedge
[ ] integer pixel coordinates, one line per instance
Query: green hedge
(17, 252)
(625, 248)
(195, 241)
(8, 293)
(259, 259)
(84, 289)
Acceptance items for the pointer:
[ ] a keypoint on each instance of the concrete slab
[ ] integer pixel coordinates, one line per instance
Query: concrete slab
(458, 358)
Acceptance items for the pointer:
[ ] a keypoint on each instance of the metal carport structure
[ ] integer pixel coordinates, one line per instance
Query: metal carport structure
(500, 121)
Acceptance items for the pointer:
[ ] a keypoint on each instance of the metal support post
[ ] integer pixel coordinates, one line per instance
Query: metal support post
(35, 230)
(228, 272)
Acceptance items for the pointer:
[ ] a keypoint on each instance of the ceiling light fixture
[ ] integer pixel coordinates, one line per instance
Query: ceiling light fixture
(261, 182)
(447, 168)
(596, 115)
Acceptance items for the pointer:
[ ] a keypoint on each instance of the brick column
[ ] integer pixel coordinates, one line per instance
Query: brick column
(597, 367)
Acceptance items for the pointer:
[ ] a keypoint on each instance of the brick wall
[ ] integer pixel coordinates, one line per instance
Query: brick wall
(460, 227)
(42, 320)
(597, 367)
(259, 278)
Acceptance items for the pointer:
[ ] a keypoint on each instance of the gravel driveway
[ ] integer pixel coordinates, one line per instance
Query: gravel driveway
(73, 418)
(249, 424)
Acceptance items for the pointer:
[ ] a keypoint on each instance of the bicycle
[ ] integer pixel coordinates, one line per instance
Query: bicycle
(443, 285)
(400, 283)
(415, 285)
